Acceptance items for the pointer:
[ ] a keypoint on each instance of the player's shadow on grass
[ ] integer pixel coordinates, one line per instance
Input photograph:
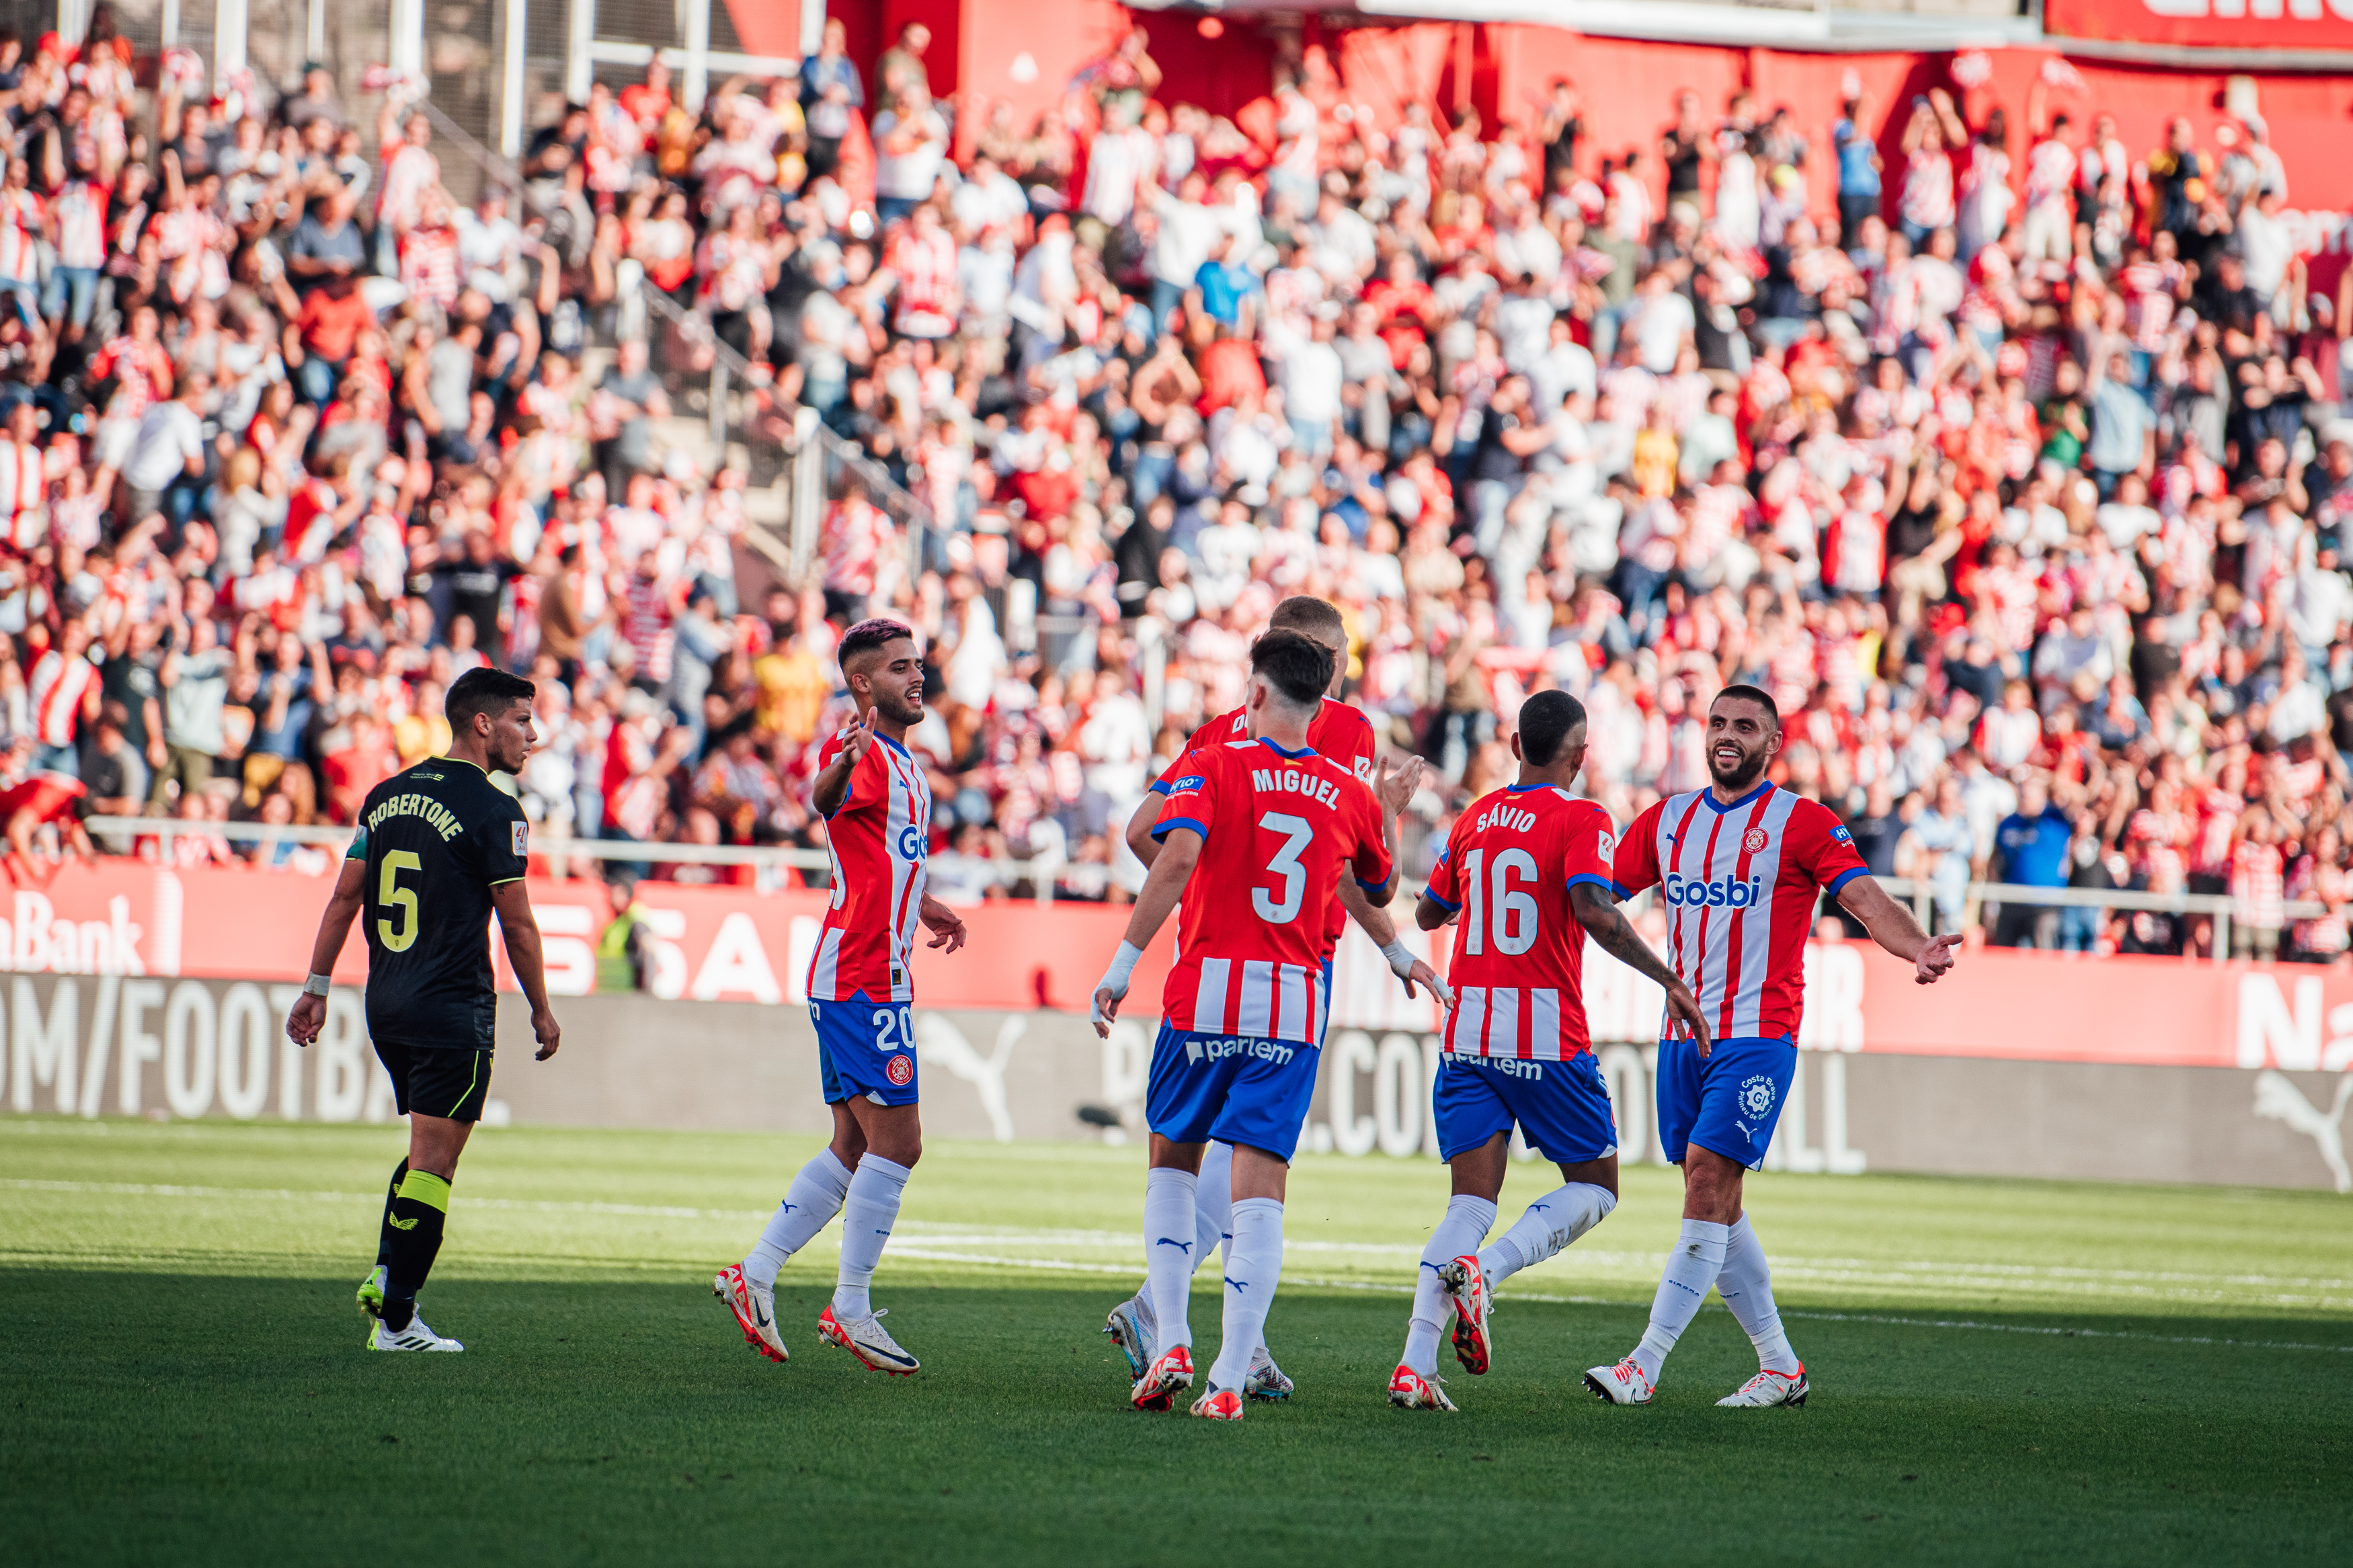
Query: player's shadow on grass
(211, 1418)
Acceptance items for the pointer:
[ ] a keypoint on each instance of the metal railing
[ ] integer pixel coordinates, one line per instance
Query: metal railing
(166, 830)
(2218, 907)
(1041, 870)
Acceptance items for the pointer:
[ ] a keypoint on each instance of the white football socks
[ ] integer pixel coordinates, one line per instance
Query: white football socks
(868, 1212)
(1551, 1223)
(1746, 1285)
(1691, 1267)
(1466, 1223)
(1252, 1273)
(1213, 1203)
(1169, 1244)
(814, 1198)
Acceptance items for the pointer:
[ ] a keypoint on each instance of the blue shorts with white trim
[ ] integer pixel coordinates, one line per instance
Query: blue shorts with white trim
(1728, 1104)
(866, 1050)
(1561, 1107)
(1236, 1089)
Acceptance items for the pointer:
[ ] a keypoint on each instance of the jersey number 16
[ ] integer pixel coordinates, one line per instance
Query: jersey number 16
(1493, 909)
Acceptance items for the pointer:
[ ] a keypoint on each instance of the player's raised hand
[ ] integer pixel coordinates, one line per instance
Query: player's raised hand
(1684, 1007)
(303, 1024)
(944, 924)
(857, 737)
(1393, 790)
(547, 1032)
(1936, 958)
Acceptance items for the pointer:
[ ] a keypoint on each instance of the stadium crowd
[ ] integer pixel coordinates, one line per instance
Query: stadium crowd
(2010, 460)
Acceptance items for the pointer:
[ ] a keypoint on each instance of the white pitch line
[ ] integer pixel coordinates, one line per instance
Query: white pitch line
(2133, 1284)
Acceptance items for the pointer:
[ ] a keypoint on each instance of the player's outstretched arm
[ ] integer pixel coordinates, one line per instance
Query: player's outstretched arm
(832, 786)
(1179, 851)
(1598, 913)
(303, 1024)
(1895, 928)
(1382, 931)
(944, 924)
(521, 930)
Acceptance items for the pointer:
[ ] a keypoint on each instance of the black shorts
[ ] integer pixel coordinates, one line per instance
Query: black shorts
(434, 1081)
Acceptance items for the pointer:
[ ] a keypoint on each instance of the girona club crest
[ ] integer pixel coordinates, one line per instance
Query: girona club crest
(1755, 841)
(901, 1070)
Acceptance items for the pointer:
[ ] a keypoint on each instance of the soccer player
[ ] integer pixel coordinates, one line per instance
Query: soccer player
(1527, 874)
(440, 848)
(33, 800)
(1739, 865)
(1271, 825)
(878, 809)
(1344, 736)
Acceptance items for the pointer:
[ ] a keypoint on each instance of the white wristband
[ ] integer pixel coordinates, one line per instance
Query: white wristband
(1401, 962)
(1115, 979)
(318, 986)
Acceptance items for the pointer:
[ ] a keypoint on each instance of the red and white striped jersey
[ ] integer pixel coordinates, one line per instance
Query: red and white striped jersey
(1281, 827)
(81, 209)
(24, 481)
(1338, 732)
(879, 838)
(1739, 882)
(1518, 970)
(20, 225)
(58, 688)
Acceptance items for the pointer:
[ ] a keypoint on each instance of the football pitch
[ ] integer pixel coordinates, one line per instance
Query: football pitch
(2003, 1371)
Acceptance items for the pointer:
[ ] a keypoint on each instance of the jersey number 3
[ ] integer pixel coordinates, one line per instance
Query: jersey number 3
(1297, 835)
(391, 895)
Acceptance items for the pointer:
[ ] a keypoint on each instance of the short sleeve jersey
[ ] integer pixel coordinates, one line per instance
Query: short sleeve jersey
(880, 837)
(1518, 969)
(1338, 731)
(1278, 829)
(435, 839)
(1739, 882)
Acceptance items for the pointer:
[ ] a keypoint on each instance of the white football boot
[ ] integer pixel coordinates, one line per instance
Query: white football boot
(416, 1337)
(1129, 1326)
(868, 1341)
(1768, 1388)
(754, 1309)
(1625, 1384)
(1265, 1380)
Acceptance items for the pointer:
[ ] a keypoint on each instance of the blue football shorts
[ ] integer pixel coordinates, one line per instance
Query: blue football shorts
(1728, 1104)
(1562, 1108)
(1249, 1092)
(866, 1050)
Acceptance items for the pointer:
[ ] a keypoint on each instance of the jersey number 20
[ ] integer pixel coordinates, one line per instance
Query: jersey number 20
(1493, 909)
(391, 895)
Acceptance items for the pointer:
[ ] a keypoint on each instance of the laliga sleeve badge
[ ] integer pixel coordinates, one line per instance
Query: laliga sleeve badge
(521, 831)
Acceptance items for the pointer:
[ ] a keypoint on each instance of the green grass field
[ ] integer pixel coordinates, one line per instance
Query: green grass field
(2003, 1371)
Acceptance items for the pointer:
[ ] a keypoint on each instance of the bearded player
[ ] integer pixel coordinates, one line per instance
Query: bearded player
(1525, 877)
(1344, 736)
(878, 809)
(1269, 826)
(1739, 866)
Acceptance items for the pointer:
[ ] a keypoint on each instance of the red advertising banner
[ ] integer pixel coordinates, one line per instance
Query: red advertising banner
(730, 944)
(2208, 24)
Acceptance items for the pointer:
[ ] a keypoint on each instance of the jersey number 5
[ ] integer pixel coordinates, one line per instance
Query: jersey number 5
(391, 895)
(1494, 910)
(1297, 835)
